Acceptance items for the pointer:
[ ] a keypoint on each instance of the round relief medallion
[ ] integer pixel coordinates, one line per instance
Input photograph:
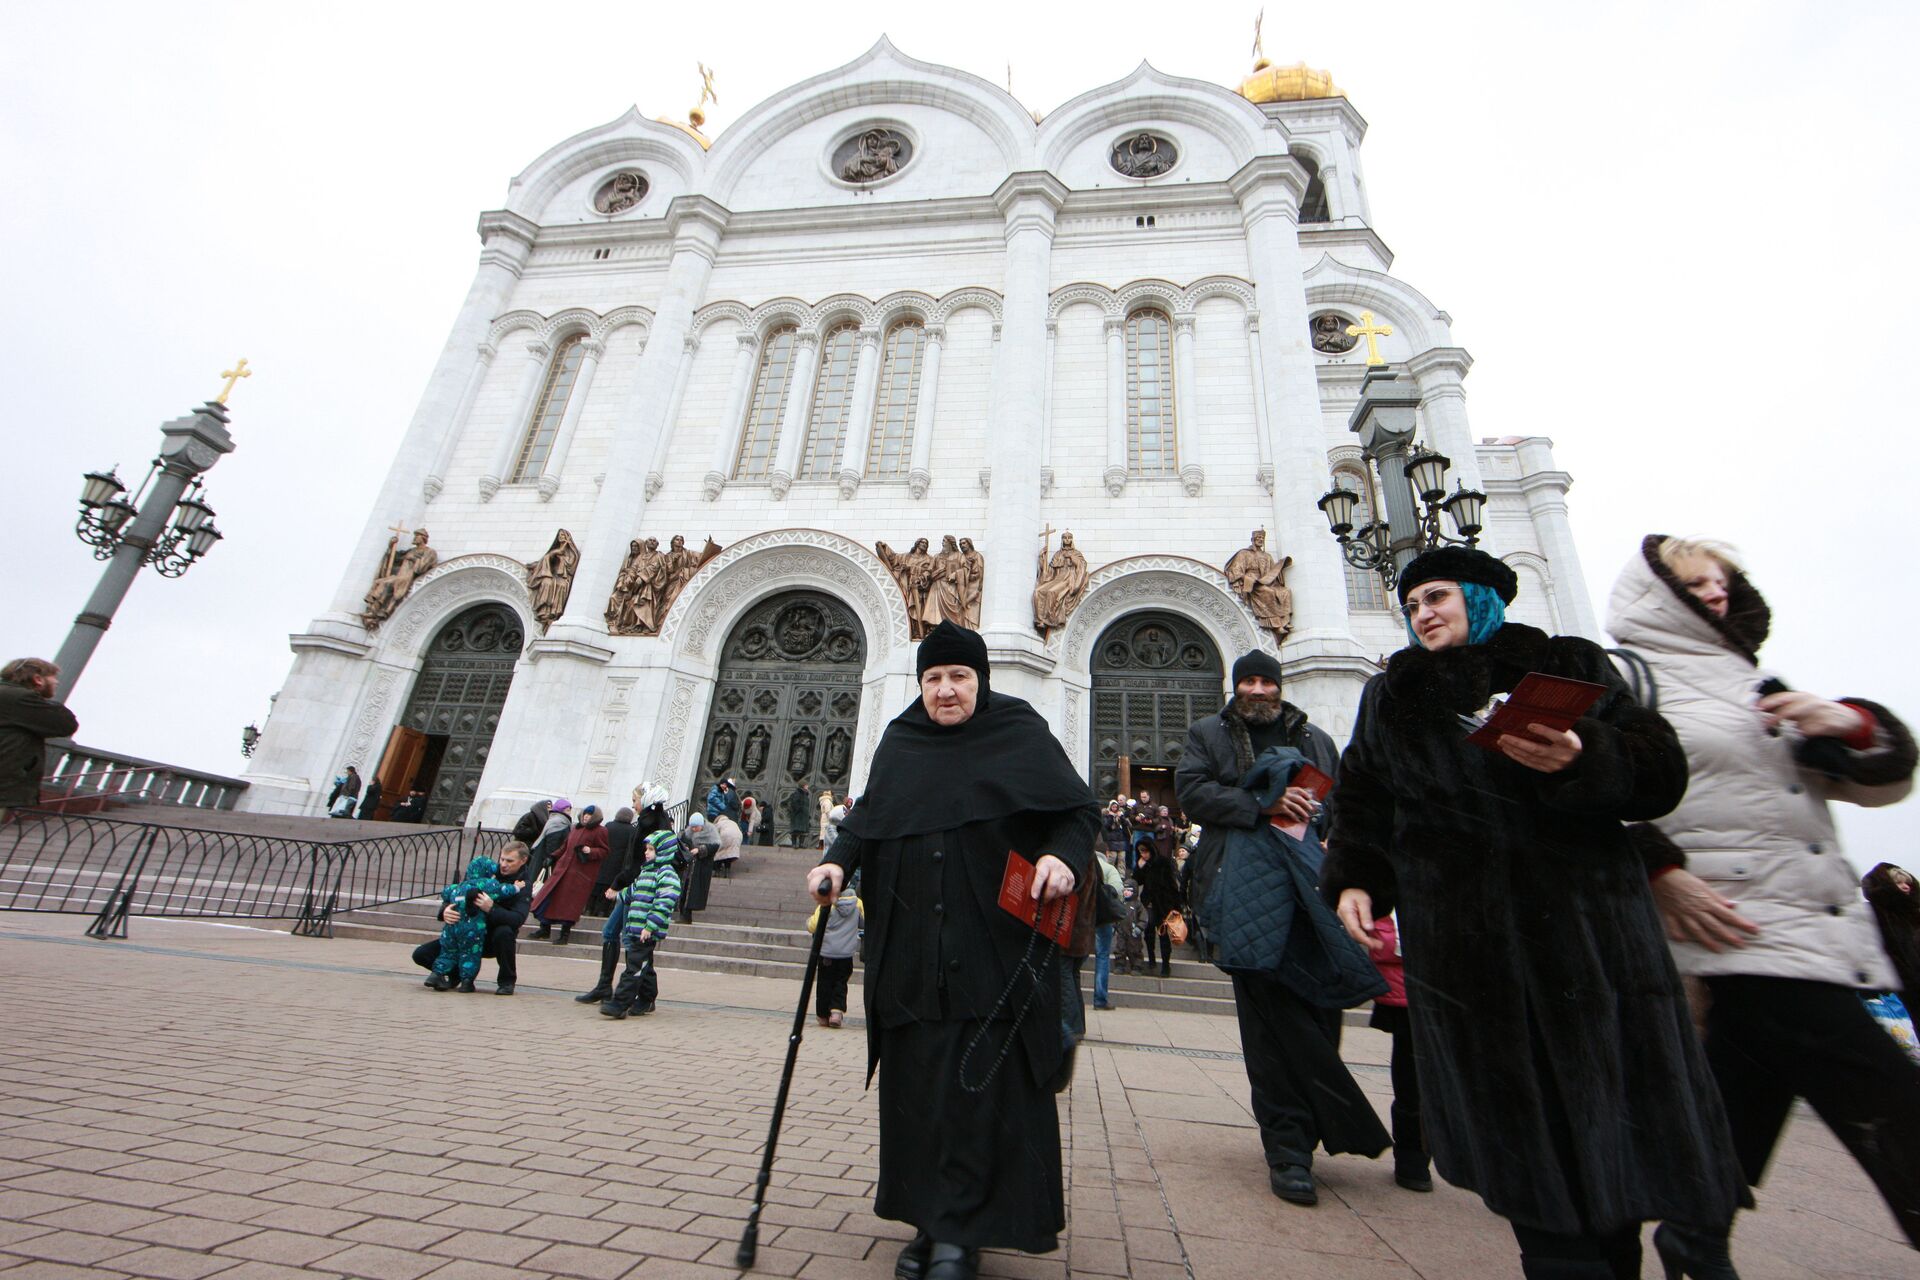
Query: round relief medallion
(871, 155)
(1330, 336)
(621, 192)
(1143, 155)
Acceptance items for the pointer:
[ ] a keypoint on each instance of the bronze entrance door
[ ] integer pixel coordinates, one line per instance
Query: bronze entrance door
(1154, 674)
(456, 703)
(786, 704)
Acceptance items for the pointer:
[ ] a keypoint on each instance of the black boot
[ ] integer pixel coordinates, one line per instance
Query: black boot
(609, 957)
(543, 931)
(566, 934)
(913, 1259)
(952, 1262)
(1690, 1253)
(1293, 1183)
(440, 982)
(1410, 1167)
(1166, 968)
(466, 984)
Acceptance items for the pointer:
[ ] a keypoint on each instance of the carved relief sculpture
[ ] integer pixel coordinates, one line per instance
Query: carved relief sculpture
(914, 573)
(950, 578)
(621, 192)
(976, 565)
(550, 579)
(648, 582)
(399, 570)
(1143, 156)
(877, 154)
(1258, 580)
(1059, 584)
(947, 585)
(1330, 335)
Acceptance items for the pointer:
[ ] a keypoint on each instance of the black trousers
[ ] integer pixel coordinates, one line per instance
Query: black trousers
(1409, 1143)
(1546, 1255)
(830, 990)
(1154, 920)
(502, 944)
(1303, 1094)
(1770, 1040)
(640, 984)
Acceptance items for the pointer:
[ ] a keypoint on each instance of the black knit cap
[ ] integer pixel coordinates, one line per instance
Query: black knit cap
(1460, 564)
(950, 645)
(1256, 662)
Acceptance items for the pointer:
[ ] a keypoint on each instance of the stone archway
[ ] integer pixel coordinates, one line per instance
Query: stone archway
(455, 706)
(1154, 673)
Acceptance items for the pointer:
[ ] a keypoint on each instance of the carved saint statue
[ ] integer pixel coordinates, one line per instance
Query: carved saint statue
(550, 578)
(635, 608)
(682, 564)
(399, 570)
(914, 571)
(976, 582)
(1059, 582)
(1143, 156)
(950, 581)
(1330, 335)
(1262, 584)
(876, 156)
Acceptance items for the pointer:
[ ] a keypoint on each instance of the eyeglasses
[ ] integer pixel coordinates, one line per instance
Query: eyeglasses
(1432, 600)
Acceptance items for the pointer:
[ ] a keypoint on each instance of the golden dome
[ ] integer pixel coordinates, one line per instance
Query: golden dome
(1296, 83)
(690, 126)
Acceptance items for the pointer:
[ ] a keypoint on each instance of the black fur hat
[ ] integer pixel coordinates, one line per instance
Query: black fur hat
(1459, 564)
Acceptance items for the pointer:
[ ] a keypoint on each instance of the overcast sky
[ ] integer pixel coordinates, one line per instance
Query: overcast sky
(1677, 238)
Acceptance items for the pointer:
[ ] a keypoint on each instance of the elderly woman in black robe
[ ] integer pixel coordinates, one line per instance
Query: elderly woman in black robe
(1560, 1075)
(963, 1000)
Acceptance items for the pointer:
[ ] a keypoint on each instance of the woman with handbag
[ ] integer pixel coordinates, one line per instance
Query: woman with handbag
(1160, 886)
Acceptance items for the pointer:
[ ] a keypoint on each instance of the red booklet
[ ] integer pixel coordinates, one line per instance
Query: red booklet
(1049, 919)
(1314, 783)
(1538, 699)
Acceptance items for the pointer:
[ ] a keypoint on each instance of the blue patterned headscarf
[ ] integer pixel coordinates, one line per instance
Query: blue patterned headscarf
(1486, 613)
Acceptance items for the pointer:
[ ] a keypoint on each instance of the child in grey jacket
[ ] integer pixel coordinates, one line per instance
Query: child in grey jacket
(844, 920)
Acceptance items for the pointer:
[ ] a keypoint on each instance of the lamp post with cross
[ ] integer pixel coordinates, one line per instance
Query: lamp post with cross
(1412, 479)
(130, 534)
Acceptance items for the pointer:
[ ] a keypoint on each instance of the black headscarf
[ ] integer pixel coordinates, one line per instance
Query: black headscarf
(928, 777)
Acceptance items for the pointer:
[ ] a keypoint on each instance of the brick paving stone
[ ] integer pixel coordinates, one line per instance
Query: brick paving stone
(71, 1246)
(190, 1233)
(378, 1262)
(39, 1270)
(290, 1248)
(313, 1221)
(100, 1219)
(169, 1263)
(486, 1246)
(400, 1235)
(652, 1241)
(580, 1260)
(273, 1271)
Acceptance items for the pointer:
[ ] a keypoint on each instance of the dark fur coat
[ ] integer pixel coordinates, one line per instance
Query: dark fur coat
(1560, 1073)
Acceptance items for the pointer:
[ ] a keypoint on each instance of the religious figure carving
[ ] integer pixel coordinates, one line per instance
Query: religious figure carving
(950, 579)
(757, 744)
(682, 564)
(914, 572)
(399, 570)
(1152, 647)
(878, 154)
(1330, 334)
(975, 582)
(1143, 156)
(1258, 580)
(550, 578)
(635, 608)
(621, 192)
(1059, 583)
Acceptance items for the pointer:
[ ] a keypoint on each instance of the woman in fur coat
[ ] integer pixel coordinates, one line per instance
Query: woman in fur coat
(1760, 901)
(1559, 1072)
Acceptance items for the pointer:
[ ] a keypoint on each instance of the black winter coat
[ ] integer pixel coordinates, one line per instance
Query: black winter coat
(1560, 1074)
(27, 720)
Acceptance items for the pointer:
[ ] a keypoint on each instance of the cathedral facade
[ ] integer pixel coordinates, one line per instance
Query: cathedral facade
(723, 425)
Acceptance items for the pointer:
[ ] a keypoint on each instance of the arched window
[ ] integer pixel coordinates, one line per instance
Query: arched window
(832, 399)
(1151, 435)
(769, 401)
(1313, 204)
(1364, 588)
(548, 410)
(891, 451)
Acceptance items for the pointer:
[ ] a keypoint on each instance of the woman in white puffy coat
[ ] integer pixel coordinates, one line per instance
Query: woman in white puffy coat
(1757, 897)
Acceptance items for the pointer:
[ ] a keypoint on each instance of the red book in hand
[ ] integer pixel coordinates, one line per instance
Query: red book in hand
(1553, 701)
(1050, 919)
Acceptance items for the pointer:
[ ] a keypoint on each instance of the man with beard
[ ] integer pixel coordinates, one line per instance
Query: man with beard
(1303, 1094)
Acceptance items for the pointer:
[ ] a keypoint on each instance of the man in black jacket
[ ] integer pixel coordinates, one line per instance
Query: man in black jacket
(503, 921)
(28, 717)
(1303, 1094)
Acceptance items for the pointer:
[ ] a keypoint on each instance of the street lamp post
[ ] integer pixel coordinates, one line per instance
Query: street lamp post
(1413, 485)
(129, 535)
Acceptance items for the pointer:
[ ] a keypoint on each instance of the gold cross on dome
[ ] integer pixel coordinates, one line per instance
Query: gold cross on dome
(232, 376)
(1372, 333)
(706, 86)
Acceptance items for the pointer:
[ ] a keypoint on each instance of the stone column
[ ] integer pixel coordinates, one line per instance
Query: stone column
(657, 469)
(1046, 414)
(1545, 487)
(798, 411)
(1437, 372)
(590, 353)
(1188, 443)
(506, 243)
(1116, 474)
(853, 452)
(919, 472)
(733, 423)
(443, 457)
(533, 368)
(1028, 202)
(1262, 436)
(1324, 662)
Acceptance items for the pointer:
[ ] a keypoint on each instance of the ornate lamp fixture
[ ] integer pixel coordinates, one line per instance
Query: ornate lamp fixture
(249, 739)
(105, 513)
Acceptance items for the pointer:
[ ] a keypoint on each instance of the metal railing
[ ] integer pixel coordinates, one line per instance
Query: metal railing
(80, 777)
(83, 864)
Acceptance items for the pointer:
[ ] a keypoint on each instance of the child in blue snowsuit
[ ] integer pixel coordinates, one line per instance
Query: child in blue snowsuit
(461, 944)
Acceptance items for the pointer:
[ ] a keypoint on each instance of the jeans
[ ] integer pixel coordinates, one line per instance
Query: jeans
(1102, 963)
(616, 921)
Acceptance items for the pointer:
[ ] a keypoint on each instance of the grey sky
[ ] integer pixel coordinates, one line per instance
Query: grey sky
(1675, 237)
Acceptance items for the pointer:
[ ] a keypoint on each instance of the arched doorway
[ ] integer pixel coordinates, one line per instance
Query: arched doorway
(786, 701)
(1154, 674)
(440, 745)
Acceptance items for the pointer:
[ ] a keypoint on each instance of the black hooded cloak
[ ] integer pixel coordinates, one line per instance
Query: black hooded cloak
(962, 999)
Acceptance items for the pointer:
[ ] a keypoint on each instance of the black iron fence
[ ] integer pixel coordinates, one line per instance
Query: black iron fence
(110, 869)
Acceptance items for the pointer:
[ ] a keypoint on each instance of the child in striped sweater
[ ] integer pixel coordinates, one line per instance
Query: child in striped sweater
(648, 902)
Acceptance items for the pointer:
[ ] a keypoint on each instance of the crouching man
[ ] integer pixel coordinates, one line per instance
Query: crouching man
(503, 921)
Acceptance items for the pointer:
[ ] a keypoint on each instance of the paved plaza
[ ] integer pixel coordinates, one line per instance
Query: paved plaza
(214, 1100)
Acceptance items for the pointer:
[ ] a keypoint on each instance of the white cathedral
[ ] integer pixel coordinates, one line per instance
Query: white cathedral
(887, 304)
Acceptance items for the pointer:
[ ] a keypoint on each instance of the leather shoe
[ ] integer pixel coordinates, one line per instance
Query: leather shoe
(912, 1264)
(1293, 1183)
(1413, 1179)
(594, 996)
(440, 982)
(953, 1262)
(611, 1010)
(503, 989)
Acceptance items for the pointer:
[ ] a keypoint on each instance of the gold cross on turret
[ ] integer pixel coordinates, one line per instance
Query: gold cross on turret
(232, 376)
(1372, 333)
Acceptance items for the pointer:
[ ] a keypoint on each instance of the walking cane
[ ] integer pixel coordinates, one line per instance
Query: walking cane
(750, 1238)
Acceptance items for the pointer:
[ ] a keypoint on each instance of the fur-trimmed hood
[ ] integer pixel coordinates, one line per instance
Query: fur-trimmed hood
(1651, 609)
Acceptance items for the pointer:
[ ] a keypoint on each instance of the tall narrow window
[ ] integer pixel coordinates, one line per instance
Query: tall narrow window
(832, 399)
(1151, 447)
(1364, 588)
(769, 401)
(548, 410)
(891, 452)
